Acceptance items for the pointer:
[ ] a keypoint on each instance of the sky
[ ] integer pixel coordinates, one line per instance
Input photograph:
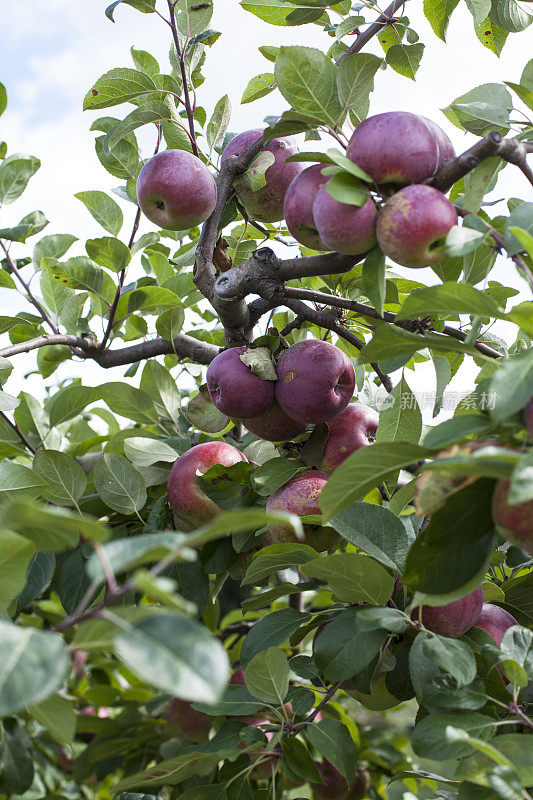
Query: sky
(56, 49)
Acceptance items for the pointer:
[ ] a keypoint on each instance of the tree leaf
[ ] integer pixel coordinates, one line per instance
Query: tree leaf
(355, 81)
(109, 253)
(15, 172)
(353, 577)
(219, 121)
(267, 676)
(401, 419)
(332, 739)
(405, 58)
(307, 79)
(271, 631)
(15, 555)
(56, 714)
(512, 385)
(258, 86)
(66, 479)
(438, 14)
(104, 210)
(117, 86)
(119, 484)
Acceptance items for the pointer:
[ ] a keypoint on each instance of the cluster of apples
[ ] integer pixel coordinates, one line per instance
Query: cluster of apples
(314, 383)
(397, 150)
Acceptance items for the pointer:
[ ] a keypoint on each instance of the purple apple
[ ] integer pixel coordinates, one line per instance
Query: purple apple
(413, 225)
(300, 496)
(333, 785)
(454, 618)
(191, 506)
(495, 620)
(298, 206)
(342, 227)
(184, 720)
(315, 381)
(353, 428)
(274, 424)
(515, 522)
(234, 388)
(238, 677)
(176, 191)
(399, 147)
(266, 203)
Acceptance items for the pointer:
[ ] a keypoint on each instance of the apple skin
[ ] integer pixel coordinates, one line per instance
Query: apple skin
(176, 191)
(413, 224)
(300, 496)
(191, 506)
(453, 619)
(495, 620)
(353, 428)
(298, 206)
(186, 721)
(399, 147)
(274, 424)
(316, 381)
(528, 419)
(234, 388)
(334, 787)
(238, 677)
(515, 522)
(266, 203)
(342, 227)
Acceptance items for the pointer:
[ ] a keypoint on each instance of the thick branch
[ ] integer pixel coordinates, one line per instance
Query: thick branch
(382, 21)
(492, 144)
(13, 267)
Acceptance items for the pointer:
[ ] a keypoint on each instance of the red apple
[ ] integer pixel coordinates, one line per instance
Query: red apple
(184, 720)
(343, 227)
(234, 388)
(238, 677)
(300, 496)
(515, 522)
(275, 425)
(334, 787)
(353, 428)
(191, 506)
(413, 224)
(495, 620)
(399, 147)
(298, 206)
(454, 618)
(315, 381)
(176, 191)
(266, 203)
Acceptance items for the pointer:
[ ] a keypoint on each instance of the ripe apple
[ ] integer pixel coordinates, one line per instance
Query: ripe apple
(399, 147)
(495, 620)
(300, 496)
(528, 419)
(413, 224)
(266, 203)
(454, 618)
(191, 506)
(274, 424)
(342, 227)
(353, 428)
(238, 677)
(234, 388)
(298, 206)
(334, 787)
(515, 522)
(315, 381)
(175, 190)
(186, 721)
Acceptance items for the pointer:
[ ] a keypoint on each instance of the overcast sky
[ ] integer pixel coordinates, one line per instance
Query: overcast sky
(55, 49)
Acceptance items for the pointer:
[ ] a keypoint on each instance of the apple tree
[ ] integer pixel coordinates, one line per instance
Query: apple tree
(245, 568)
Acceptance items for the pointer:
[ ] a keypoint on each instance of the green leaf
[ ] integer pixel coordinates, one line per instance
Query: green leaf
(491, 36)
(16, 553)
(56, 714)
(364, 470)
(117, 86)
(53, 246)
(66, 479)
(347, 189)
(479, 9)
(119, 484)
(514, 746)
(355, 81)
(438, 13)
(429, 736)
(145, 62)
(191, 663)
(219, 121)
(16, 757)
(170, 323)
(483, 109)
(76, 273)
(33, 666)
(15, 172)
(455, 429)
(151, 111)
(38, 578)
(449, 298)
(307, 79)
(280, 12)
(462, 240)
(353, 577)
(332, 739)
(348, 645)
(51, 529)
(276, 557)
(405, 58)
(273, 474)
(521, 217)
(390, 342)
(401, 419)
(267, 676)
(145, 6)
(373, 277)
(125, 554)
(452, 656)
(19, 482)
(109, 253)
(3, 99)
(456, 546)
(193, 18)
(203, 414)
(70, 401)
(376, 531)
(271, 631)
(104, 210)
(258, 86)
(521, 489)
(129, 402)
(236, 701)
(510, 15)
(512, 385)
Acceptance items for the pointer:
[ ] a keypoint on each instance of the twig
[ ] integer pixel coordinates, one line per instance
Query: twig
(515, 708)
(382, 21)
(331, 692)
(18, 432)
(13, 267)
(181, 56)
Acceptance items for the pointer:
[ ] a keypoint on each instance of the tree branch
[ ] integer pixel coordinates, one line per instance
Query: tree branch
(13, 267)
(186, 96)
(383, 21)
